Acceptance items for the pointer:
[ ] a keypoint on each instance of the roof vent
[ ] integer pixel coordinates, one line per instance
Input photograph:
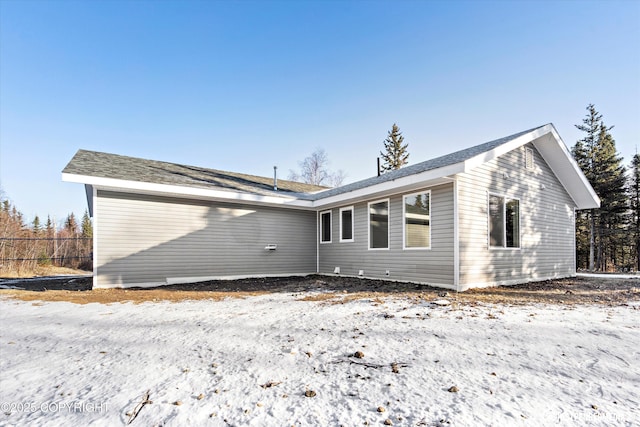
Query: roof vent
(275, 178)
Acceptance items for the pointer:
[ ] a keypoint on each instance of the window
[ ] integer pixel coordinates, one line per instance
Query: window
(528, 158)
(417, 220)
(504, 222)
(325, 227)
(346, 224)
(379, 224)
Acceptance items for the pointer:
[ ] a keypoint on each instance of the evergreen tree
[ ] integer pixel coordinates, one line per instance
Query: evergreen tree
(49, 228)
(87, 228)
(395, 153)
(612, 215)
(597, 157)
(583, 153)
(35, 226)
(634, 205)
(71, 225)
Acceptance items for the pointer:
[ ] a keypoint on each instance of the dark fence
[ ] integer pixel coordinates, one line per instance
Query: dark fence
(25, 253)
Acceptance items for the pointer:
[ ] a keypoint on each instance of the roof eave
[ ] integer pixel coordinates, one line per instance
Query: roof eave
(554, 151)
(139, 187)
(407, 183)
(545, 139)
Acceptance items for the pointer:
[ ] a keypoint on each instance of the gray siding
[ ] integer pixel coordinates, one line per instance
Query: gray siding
(148, 239)
(546, 223)
(433, 266)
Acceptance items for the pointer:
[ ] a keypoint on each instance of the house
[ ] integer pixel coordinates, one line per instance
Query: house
(498, 213)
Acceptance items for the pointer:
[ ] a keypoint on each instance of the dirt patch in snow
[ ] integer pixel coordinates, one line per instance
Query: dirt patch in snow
(330, 289)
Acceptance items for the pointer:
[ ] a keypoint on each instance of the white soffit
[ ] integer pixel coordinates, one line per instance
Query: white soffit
(555, 153)
(112, 184)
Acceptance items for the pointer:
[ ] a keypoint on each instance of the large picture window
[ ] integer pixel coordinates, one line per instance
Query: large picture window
(504, 222)
(379, 224)
(417, 220)
(325, 227)
(346, 224)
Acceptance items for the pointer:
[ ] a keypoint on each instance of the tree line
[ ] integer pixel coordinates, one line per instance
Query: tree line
(24, 247)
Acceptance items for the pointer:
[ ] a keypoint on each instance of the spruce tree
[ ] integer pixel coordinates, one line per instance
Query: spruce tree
(395, 154)
(597, 157)
(86, 227)
(610, 175)
(36, 227)
(71, 225)
(49, 227)
(634, 205)
(583, 152)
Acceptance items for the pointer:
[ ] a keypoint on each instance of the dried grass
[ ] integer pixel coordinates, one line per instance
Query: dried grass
(39, 271)
(338, 290)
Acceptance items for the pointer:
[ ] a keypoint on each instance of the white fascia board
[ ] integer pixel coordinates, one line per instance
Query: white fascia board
(407, 183)
(555, 152)
(187, 192)
(518, 142)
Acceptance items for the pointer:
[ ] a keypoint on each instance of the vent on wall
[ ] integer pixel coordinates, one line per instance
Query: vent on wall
(528, 158)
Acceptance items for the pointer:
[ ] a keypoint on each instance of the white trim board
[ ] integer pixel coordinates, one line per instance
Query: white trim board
(545, 139)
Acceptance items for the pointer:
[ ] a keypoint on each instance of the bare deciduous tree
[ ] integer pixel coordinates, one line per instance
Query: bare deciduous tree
(314, 170)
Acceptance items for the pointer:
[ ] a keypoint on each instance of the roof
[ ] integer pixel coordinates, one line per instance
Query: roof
(121, 172)
(437, 163)
(105, 165)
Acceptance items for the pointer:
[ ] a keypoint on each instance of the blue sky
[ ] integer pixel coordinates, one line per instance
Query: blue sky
(244, 86)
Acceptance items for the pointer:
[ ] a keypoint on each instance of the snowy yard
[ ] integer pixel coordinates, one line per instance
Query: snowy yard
(279, 360)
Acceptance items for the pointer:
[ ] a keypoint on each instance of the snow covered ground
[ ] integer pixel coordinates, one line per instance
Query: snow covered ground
(277, 360)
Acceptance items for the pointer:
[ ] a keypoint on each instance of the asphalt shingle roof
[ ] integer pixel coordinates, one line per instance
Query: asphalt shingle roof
(104, 165)
(438, 162)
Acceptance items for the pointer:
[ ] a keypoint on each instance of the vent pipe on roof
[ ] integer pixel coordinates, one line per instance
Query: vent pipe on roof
(275, 178)
(378, 166)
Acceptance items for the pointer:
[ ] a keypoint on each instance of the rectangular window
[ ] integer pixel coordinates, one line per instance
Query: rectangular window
(346, 224)
(417, 220)
(325, 227)
(379, 224)
(504, 222)
(512, 222)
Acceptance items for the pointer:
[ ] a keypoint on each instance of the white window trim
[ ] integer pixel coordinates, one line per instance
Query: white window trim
(388, 226)
(504, 229)
(353, 234)
(322, 242)
(404, 224)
